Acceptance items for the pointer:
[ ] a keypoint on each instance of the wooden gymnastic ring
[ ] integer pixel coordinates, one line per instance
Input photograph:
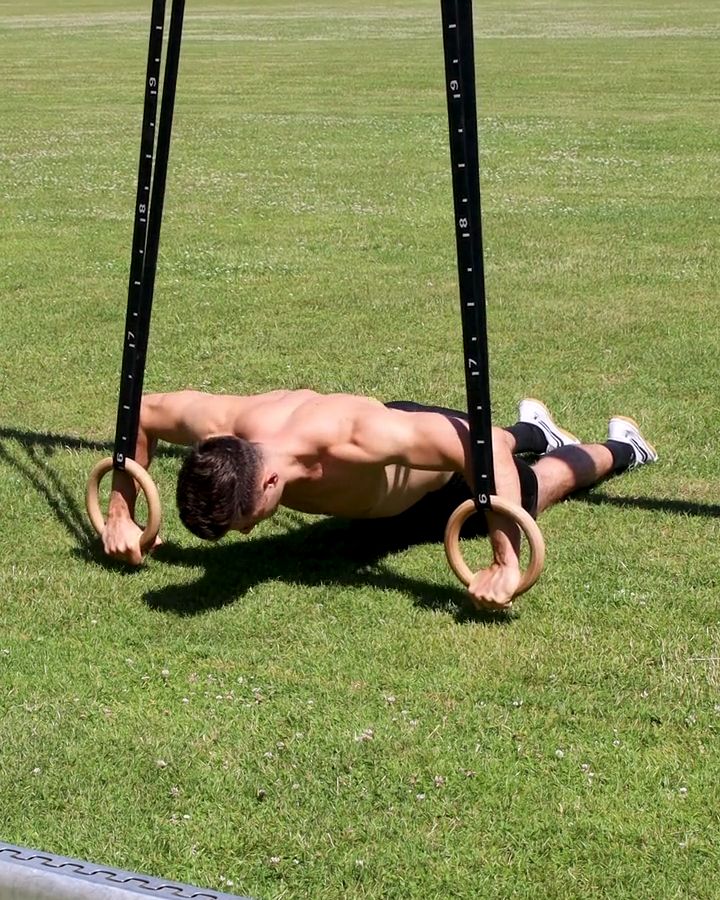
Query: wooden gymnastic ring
(147, 485)
(522, 518)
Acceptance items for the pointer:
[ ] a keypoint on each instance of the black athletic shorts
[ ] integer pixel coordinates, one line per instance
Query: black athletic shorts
(430, 514)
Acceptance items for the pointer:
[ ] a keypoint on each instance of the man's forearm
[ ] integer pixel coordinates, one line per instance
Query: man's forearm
(124, 489)
(507, 480)
(504, 533)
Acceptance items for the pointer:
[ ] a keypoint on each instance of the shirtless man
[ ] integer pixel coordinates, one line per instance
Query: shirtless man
(355, 457)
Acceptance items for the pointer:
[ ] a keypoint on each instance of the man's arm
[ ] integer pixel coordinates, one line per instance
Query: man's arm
(181, 417)
(494, 586)
(436, 441)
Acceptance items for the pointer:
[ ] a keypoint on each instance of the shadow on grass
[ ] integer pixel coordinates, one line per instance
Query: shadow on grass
(326, 552)
(323, 553)
(50, 442)
(30, 454)
(31, 460)
(667, 505)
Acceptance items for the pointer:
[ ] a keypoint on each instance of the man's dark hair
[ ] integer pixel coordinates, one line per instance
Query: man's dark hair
(217, 483)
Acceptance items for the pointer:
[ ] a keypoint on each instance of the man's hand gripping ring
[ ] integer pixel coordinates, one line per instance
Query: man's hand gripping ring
(522, 518)
(147, 485)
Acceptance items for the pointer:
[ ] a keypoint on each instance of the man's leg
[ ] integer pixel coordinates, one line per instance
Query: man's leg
(572, 468)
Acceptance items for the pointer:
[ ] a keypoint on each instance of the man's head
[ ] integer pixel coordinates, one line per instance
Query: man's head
(222, 485)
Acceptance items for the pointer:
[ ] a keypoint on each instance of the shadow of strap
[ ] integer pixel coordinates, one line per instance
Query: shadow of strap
(51, 441)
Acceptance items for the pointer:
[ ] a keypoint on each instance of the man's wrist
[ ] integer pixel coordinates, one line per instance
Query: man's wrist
(118, 507)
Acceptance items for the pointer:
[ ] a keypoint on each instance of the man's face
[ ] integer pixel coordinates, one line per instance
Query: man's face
(245, 524)
(243, 528)
(267, 504)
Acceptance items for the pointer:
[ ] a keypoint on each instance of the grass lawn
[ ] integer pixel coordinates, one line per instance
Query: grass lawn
(281, 716)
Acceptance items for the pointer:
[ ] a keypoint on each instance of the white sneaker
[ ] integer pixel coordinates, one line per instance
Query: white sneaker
(627, 430)
(536, 413)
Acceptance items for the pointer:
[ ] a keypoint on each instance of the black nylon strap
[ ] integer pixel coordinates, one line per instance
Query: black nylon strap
(462, 121)
(152, 176)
